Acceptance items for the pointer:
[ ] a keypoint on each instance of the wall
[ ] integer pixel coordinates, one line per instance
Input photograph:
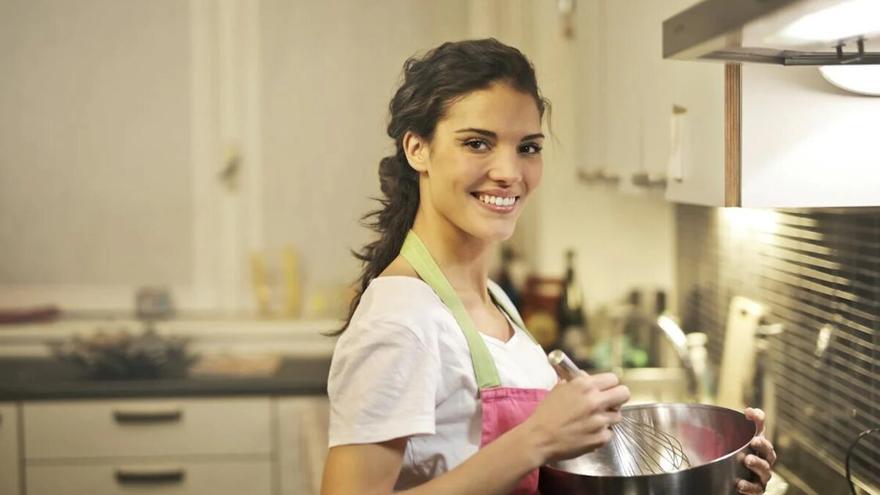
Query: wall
(94, 143)
(329, 71)
(119, 125)
(811, 269)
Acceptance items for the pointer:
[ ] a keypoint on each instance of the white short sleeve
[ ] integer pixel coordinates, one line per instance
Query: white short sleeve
(382, 384)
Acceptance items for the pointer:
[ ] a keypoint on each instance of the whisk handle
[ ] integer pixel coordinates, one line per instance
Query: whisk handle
(564, 366)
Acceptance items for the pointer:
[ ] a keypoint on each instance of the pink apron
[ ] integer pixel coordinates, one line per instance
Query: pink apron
(503, 407)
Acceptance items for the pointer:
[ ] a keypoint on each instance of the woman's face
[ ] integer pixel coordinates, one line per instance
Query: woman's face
(482, 163)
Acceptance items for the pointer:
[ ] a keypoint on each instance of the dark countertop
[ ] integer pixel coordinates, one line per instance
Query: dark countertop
(47, 379)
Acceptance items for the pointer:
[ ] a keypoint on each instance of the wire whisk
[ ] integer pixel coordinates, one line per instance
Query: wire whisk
(640, 447)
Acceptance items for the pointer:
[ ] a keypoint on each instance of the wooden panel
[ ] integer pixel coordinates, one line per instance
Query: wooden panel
(190, 478)
(732, 135)
(78, 429)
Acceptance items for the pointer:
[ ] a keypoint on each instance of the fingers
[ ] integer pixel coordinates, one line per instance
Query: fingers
(756, 415)
(612, 398)
(606, 391)
(749, 488)
(604, 381)
(764, 448)
(760, 467)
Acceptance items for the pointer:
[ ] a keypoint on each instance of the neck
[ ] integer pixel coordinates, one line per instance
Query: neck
(463, 258)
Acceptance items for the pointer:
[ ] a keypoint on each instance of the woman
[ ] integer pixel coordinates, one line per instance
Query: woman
(435, 386)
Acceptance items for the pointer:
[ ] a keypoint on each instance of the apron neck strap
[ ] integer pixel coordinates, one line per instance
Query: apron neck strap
(415, 252)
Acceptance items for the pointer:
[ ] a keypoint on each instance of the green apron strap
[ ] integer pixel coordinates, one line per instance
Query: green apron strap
(506, 305)
(415, 252)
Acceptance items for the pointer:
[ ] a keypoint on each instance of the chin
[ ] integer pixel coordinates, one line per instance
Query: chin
(494, 233)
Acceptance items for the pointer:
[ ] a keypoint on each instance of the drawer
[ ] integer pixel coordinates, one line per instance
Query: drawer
(115, 428)
(190, 478)
(9, 476)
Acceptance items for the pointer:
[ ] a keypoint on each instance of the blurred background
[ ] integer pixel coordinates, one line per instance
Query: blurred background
(181, 183)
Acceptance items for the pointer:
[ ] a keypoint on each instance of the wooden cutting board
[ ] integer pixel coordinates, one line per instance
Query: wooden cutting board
(738, 359)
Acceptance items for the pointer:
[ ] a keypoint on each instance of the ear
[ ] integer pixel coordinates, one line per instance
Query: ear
(417, 151)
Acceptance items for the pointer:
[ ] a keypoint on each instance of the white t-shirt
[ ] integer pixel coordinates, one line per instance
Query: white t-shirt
(402, 368)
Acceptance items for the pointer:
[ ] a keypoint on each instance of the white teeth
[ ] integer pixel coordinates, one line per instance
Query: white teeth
(496, 200)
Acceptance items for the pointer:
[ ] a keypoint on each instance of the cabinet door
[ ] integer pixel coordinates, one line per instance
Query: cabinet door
(590, 83)
(806, 143)
(9, 459)
(624, 54)
(691, 118)
(155, 478)
(302, 443)
(657, 88)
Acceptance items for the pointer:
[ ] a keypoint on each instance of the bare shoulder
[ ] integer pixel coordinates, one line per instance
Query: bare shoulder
(399, 268)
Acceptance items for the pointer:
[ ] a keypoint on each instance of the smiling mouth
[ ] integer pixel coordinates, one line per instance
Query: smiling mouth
(497, 203)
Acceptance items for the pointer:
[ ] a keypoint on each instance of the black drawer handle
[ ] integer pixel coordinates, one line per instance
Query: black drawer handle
(170, 415)
(155, 477)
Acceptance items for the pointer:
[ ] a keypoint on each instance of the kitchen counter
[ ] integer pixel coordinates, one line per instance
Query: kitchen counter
(47, 379)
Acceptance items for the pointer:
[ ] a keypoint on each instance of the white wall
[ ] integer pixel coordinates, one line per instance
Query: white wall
(94, 143)
(118, 120)
(329, 71)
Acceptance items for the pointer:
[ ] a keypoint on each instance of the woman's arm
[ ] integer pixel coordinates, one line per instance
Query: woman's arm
(573, 419)
(370, 468)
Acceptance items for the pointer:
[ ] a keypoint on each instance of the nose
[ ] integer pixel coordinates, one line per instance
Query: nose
(506, 168)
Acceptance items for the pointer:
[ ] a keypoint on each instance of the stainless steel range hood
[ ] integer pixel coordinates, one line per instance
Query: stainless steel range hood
(786, 32)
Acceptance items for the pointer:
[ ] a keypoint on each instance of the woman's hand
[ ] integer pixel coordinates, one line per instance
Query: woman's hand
(576, 415)
(762, 463)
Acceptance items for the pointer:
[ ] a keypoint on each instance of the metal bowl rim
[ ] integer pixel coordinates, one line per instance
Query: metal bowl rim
(676, 405)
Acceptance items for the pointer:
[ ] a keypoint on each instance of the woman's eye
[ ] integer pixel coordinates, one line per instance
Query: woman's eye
(477, 144)
(531, 149)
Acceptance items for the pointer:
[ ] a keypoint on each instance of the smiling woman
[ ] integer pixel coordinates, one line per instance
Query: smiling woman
(436, 386)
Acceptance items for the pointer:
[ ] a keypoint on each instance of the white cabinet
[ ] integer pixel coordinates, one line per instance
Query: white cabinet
(9, 450)
(713, 134)
(302, 443)
(181, 478)
(189, 446)
(804, 142)
(126, 428)
(773, 136)
(624, 55)
(695, 123)
(186, 446)
(636, 107)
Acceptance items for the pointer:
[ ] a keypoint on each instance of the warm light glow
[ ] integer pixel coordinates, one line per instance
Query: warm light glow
(860, 79)
(743, 221)
(839, 22)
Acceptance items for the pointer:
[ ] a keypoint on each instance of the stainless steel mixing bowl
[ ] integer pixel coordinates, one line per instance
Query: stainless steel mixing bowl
(714, 440)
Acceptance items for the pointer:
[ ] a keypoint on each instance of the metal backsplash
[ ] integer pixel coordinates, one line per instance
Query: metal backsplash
(812, 269)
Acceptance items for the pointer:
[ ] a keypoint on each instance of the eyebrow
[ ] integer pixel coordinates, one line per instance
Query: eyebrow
(493, 135)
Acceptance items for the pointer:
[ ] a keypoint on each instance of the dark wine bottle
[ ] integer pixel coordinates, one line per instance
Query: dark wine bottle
(571, 315)
(505, 280)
